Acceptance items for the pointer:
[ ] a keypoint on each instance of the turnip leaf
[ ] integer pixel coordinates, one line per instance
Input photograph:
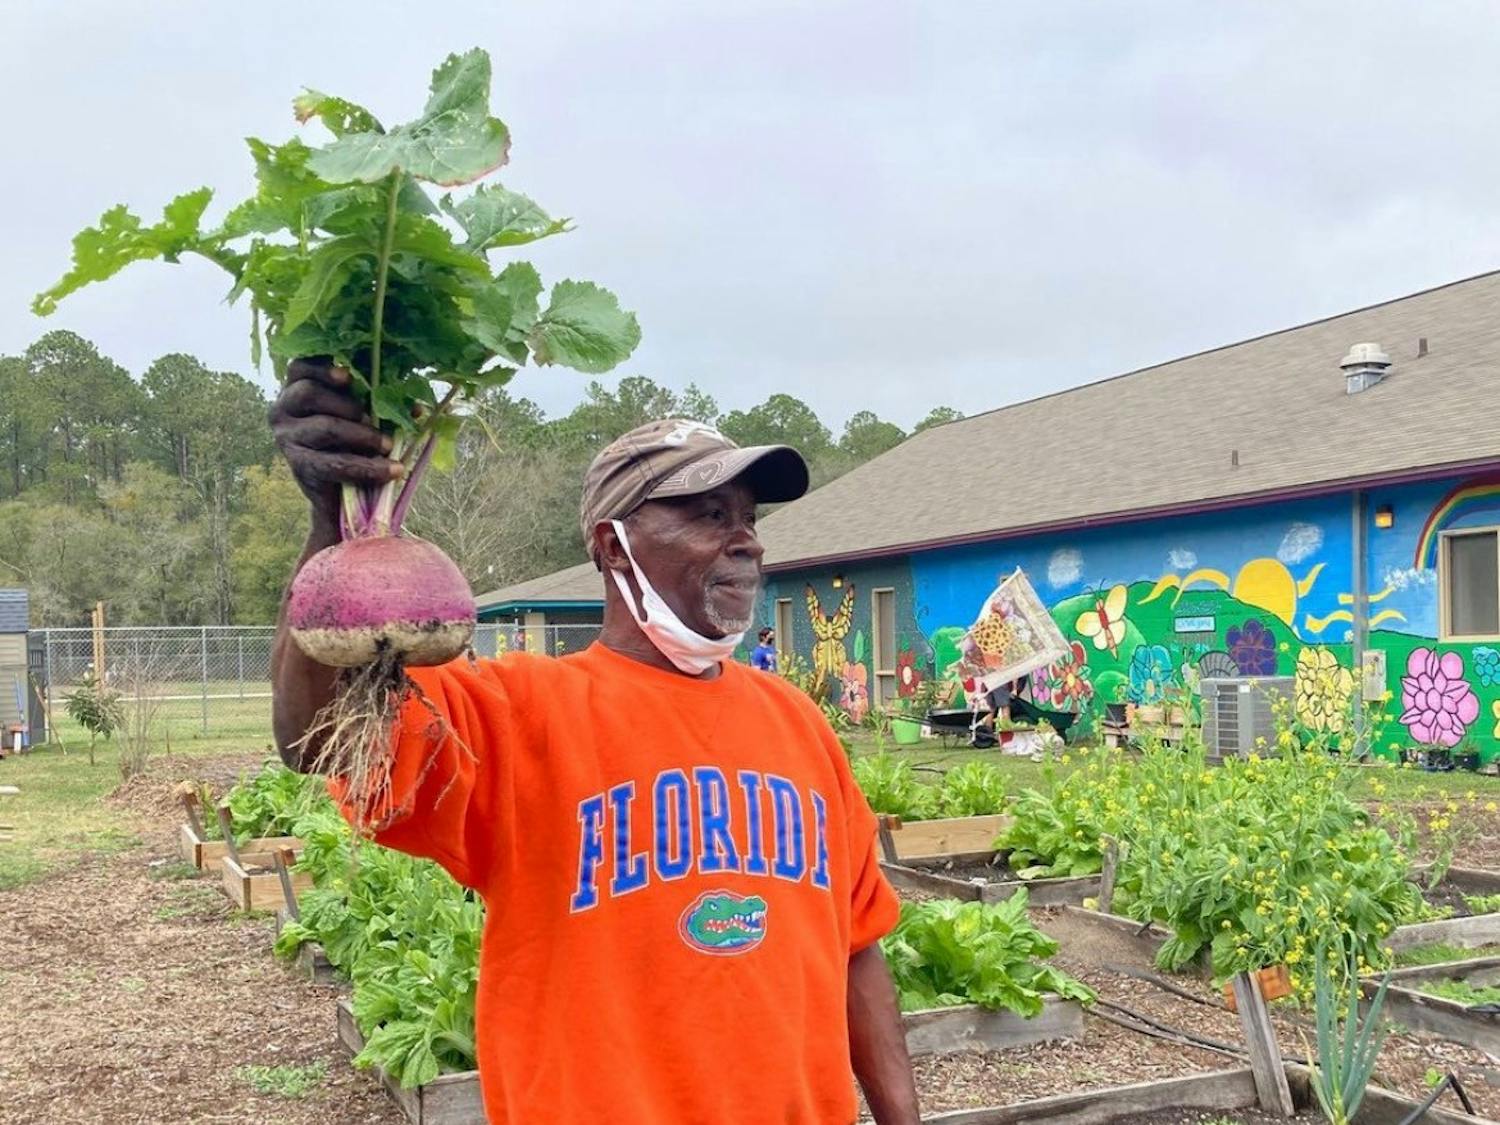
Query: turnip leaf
(584, 328)
(455, 141)
(101, 252)
(495, 217)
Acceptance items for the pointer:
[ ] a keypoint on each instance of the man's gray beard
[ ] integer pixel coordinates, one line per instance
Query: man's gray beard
(726, 625)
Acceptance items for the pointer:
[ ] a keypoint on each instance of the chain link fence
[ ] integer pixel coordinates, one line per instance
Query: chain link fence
(215, 681)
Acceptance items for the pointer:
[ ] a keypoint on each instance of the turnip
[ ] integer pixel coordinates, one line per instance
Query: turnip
(344, 254)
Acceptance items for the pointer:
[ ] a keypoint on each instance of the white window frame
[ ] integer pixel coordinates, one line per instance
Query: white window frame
(1445, 603)
(884, 677)
(781, 621)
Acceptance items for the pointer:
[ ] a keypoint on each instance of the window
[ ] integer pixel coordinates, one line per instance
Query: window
(883, 617)
(783, 627)
(1469, 583)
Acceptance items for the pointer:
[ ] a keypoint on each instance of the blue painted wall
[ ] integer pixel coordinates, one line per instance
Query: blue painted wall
(1264, 589)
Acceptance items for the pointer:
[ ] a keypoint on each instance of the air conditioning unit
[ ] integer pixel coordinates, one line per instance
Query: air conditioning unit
(1237, 712)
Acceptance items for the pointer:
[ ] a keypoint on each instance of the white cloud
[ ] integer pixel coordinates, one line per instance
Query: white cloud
(1181, 558)
(1065, 567)
(1300, 541)
(1408, 577)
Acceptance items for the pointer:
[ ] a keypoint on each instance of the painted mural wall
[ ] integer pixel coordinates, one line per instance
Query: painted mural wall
(1150, 607)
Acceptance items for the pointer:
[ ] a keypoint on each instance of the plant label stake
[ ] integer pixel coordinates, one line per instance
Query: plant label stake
(1107, 875)
(1271, 1088)
(284, 858)
(226, 826)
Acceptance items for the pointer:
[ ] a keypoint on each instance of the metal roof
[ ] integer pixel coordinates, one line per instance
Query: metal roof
(15, 612)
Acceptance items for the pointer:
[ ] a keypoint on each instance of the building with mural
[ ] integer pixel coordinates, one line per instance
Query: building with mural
(1320, 503)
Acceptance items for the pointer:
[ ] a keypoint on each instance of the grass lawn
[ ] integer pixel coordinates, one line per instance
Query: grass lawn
(60, 813)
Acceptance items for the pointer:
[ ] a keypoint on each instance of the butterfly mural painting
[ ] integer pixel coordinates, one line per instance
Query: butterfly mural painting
(829, 655)
(1105, 624)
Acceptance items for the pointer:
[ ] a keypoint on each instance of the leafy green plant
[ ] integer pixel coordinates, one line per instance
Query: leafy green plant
(1347, 1045)
(271, 802)
(1462, 992)
(943, 953)
(97, 708)
(287, 1081)
(1483, 904)
(1059, 832)
(343, 253)
(975, 788)
(407, 937)
(890, 785)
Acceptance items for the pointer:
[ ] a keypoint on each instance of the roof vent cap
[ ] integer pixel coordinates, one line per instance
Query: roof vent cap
(1364, 366)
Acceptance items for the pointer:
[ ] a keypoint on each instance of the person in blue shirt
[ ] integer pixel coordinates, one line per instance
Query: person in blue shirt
(764, 656)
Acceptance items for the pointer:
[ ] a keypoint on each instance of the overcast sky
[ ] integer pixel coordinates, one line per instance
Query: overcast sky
(869, 205)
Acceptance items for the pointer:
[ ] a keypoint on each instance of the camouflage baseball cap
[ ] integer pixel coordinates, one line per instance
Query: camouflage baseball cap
(674, 457)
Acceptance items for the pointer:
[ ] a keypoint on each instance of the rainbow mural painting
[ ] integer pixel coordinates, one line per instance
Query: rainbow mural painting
(1479, 497)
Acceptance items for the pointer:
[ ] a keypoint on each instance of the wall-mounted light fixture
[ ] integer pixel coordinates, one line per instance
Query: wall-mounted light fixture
(838, 581)
(1385, 517)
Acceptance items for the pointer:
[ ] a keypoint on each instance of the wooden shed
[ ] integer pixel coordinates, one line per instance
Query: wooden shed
(14, 620)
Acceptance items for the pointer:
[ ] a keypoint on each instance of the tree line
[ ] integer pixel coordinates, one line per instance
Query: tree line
(162, 495)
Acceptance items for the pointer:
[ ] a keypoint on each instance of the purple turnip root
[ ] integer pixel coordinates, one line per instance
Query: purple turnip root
(373, 605)
(362, 598)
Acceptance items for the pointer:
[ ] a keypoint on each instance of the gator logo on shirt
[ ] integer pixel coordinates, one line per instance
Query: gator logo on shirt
(723, 923)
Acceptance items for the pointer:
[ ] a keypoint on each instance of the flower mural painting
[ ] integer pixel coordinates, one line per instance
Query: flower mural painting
(1105, 624)
(1438, 702)
(856, 696)
(908, 675)
(1323, 691)
(1252, 647)
(1486, 665)
(1066, 683)
(1150, 674)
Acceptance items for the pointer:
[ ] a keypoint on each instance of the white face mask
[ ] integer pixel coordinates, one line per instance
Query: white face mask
(689, 651)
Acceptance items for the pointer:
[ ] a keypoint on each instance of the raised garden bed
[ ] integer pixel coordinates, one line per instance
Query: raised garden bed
(1466, 929)
(449, 1099)
(454, 1099)
(1410, 1004)
(985, 878)
(312, 959)
(970, 1027)
(1177, 1100)
(1146, 939)
(206, 854)
(251, 881)
(959, 837)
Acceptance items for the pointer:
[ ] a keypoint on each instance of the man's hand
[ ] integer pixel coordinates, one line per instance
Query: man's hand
(326, 437)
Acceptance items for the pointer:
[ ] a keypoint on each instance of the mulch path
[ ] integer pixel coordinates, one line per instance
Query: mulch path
(128, 995)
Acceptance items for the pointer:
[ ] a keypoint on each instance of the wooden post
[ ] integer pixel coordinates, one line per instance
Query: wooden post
(1271, 1088)
(284, 858)
(98, 622)
(1107, 875)
(227, 827)
(190, 805)
(885, 823)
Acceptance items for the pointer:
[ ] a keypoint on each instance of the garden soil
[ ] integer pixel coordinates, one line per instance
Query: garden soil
(130, 995)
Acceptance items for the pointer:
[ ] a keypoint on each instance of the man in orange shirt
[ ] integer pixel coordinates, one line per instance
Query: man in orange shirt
(683, 898)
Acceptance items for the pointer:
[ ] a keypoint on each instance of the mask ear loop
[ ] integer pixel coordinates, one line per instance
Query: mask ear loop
(637, 606)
